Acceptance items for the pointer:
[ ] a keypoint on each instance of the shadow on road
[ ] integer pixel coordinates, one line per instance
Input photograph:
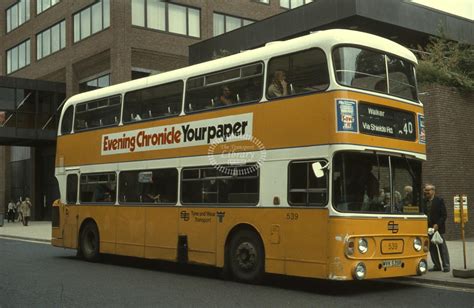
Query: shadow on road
(310, 285)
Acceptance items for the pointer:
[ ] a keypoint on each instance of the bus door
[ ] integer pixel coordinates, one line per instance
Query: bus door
(70, 210)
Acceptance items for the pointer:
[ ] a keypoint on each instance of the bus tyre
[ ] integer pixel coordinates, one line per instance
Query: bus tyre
(246, 257)
(90, 242)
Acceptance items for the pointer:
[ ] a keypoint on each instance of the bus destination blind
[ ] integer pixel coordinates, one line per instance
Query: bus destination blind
(386, 122)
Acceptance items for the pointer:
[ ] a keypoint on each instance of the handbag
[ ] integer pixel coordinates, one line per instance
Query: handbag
(437, 239)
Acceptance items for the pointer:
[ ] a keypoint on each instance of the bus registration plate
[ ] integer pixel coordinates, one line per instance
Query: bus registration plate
(391, 263)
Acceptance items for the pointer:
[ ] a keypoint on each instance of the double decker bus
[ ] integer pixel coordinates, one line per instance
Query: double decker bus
(318, 177)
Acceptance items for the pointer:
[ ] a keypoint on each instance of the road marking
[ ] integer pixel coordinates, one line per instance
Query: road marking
(23, 240)
(438, 286)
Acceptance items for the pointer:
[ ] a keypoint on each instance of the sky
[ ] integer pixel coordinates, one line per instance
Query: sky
(464, 8)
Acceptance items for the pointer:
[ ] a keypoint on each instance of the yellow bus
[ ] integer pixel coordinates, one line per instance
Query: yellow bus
(302, 157)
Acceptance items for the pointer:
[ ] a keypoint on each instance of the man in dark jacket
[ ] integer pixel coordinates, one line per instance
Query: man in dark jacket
(435, 209)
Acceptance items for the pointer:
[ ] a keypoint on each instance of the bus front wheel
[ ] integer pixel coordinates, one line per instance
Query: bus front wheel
(90, 242)
(246, 257)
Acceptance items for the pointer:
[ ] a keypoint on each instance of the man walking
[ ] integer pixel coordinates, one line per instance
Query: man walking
(435, 209)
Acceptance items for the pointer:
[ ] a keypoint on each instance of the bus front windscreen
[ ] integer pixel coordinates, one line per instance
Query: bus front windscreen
(374, 71)
(375, 183)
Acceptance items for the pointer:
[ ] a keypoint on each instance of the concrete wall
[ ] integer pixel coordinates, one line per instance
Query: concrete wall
(449, 116)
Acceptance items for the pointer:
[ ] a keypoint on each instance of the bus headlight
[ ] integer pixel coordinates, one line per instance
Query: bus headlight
(359, 271)
(363, 245)
(422, 266)
(417, 244)
(350, 247)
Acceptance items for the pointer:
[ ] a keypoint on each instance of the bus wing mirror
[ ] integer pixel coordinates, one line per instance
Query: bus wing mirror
(318, 169)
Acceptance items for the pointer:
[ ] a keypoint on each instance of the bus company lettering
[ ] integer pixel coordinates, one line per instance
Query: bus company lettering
(194, 133)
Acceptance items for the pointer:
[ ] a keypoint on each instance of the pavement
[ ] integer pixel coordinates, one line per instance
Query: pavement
(40, 231)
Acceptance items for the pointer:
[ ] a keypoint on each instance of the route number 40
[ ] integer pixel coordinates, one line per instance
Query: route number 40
(408, 128)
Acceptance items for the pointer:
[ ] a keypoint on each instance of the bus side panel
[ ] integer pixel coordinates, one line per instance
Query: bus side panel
(70, 227)
(130, 225)
(294, 239)
(161, 233)
(199, 226)
(304, 238)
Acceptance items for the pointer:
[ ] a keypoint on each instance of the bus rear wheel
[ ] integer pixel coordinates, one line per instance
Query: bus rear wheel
(246, 257)
(90, 242)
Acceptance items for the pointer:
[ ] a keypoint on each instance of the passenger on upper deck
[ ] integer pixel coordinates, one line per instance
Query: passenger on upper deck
(279, 85)
(225, 99)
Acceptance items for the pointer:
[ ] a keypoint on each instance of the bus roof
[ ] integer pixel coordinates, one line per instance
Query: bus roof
(325, 40)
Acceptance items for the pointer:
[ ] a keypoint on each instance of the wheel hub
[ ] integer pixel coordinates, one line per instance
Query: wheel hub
(246, 255)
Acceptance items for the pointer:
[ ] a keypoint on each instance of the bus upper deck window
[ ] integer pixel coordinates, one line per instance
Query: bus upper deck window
(297, 73)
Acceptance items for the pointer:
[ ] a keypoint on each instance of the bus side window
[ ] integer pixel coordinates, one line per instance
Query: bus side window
(66, 124)
(225, 89)
(305, 189)
(98, 187)
(233, 185)
(153, 102)
(71, 189)
(158, 186)
(98, 113)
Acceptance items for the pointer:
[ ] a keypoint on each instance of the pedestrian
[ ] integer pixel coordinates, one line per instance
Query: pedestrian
(26, 210)
(18, 208)
(435, 209)
(11, 211)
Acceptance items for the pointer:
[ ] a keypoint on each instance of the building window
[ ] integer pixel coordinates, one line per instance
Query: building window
(164, 16)
(18, 57)
(96, 83)
(91, 20)
(43, 5)
(18, 14)
(225, 23)
(51, 40)
(291, 4)
(304, 187)
(159, 186)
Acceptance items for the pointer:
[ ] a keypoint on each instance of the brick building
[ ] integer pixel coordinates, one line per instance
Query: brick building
(450, 150)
